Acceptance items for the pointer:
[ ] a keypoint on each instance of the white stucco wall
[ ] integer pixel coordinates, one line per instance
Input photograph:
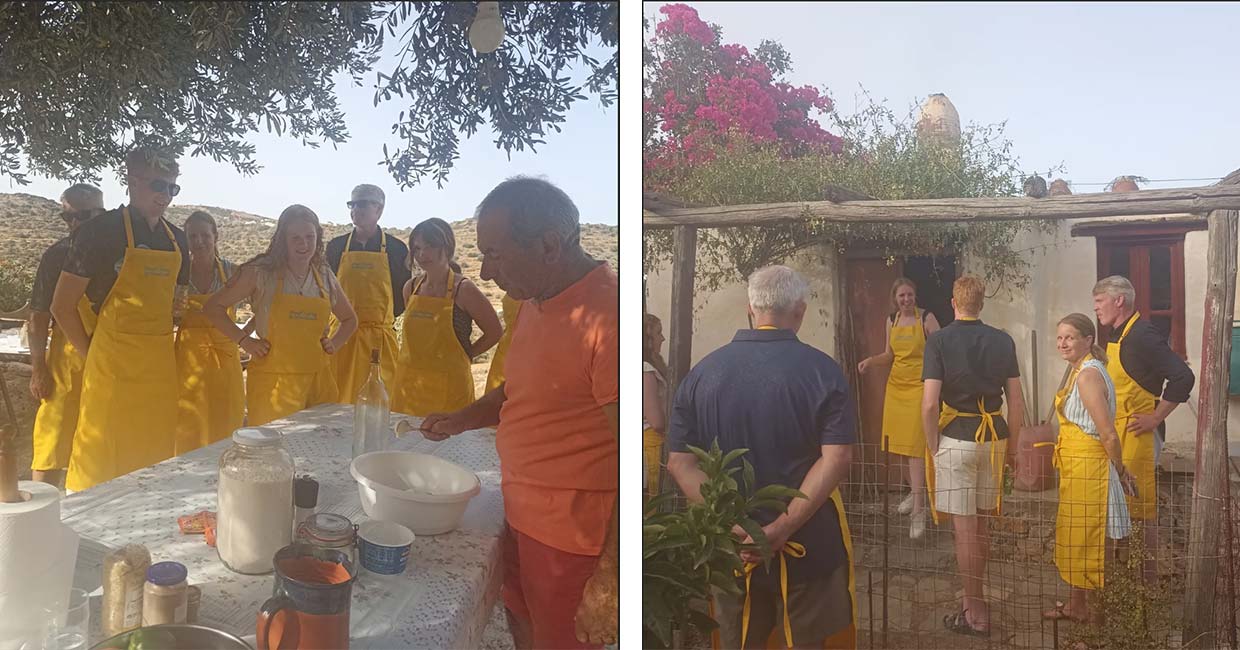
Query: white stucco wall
(718, 315)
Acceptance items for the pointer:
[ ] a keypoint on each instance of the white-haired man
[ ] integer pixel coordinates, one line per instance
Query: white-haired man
(789, 405)
(56, 372)
(372, 266)
(1140, 363)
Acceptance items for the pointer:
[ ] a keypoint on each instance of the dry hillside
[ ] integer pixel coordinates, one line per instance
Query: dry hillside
(29, 224)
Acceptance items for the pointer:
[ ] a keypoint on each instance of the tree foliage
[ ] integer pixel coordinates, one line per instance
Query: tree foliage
(873, 151)
(81, 82)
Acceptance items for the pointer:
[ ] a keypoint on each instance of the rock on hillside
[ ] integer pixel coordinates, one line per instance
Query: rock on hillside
(29, 224)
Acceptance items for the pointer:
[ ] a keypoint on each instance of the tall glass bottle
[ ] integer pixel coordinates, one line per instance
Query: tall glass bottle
(371, 413)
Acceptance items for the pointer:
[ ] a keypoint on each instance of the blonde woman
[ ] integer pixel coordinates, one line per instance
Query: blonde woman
(907, 329)
(1092, 479)
(292, 291)
(654, 400)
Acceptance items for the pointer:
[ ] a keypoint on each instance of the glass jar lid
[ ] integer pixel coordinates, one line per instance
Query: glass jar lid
(258, 437)
(166, 574)
(328, 527)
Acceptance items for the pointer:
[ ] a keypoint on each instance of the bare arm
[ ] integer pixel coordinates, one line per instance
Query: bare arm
(683, 467)
(652, 407)
(482, 413)
(821, 480)
(483, 313)
(1094, 395)
(40, 377)
(1016, 413)
(240, 287)
(343, 311)
(69, 290)
(932, 324)
(930, 392)
(407, 291)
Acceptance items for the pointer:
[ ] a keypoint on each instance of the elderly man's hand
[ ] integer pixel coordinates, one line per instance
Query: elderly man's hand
(598, 616)
(441, 426)
(40, 383)
(1144, 423)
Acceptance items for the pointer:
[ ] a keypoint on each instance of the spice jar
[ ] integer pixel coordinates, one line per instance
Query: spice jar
(165, 597)
(327, 530)
(255, 512)
(124, 574)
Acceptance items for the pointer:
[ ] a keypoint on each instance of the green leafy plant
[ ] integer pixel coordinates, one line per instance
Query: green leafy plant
(14, 285)
(687, 552)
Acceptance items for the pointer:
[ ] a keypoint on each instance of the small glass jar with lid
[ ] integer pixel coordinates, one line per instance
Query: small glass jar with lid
(327, 530)
(165, 597)
(255, 509)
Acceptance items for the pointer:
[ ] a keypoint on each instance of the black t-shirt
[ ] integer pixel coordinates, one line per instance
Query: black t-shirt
(782, 400)
(973, 360)
(50, 265)
(98, 246)
(1150, 362)
(397, 253)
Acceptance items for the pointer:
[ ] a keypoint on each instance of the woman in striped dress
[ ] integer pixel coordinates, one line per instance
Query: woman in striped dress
(1092, 478)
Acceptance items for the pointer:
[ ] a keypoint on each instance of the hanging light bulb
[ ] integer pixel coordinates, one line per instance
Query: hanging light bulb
(487, 32)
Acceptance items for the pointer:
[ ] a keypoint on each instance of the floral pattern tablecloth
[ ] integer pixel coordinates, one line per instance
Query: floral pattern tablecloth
(443, 600)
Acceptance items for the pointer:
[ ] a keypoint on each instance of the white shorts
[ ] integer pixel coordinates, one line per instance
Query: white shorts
(964, 475)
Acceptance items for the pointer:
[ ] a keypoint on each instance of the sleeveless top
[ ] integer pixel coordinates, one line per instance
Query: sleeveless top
(662, 383)
(462, 322)
(1074, 409)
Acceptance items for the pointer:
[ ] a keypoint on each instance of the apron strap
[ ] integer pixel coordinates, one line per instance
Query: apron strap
(348, 242)
(793, 549)
(1131, 321)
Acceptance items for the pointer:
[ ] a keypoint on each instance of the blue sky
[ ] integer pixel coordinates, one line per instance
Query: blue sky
(1106, 89)
(582, 159)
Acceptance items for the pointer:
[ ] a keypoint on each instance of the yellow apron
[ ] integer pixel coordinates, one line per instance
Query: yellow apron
(902, 430)
(57, 417)
(433, 375)
(296, 374)
(495, 376)
(212, 392)
(1131, 400)
(1081, 521)
(366, 278)
(845, 639)
(652, 450)
(985, 433)
(129, 384)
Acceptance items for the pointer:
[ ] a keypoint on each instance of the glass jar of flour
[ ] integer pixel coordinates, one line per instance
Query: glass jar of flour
(255, 510)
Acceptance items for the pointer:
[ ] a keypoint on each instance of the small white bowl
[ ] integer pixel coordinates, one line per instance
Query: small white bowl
(424, 493)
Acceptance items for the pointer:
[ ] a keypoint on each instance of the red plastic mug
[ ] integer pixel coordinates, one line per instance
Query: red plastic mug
(309, 607)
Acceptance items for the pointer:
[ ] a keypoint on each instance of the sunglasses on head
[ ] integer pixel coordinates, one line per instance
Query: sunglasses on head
(361, 203)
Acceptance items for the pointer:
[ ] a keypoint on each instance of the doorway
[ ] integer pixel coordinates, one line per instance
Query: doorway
(869, 279)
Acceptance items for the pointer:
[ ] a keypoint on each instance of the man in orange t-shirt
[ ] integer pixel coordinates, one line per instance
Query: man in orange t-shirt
(558, 419)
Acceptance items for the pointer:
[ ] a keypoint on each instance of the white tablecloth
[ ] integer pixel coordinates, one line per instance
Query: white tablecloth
(443, 600)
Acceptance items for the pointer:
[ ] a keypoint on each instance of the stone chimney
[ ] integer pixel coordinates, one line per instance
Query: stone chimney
(1059, 187)
(939, 120)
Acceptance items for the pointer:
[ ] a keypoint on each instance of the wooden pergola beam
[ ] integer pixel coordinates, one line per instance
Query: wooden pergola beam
(1197, 200)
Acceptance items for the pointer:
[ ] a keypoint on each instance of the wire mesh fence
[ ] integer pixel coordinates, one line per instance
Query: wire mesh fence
(906, 587)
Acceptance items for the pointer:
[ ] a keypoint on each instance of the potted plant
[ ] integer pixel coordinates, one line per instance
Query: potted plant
(688, 551)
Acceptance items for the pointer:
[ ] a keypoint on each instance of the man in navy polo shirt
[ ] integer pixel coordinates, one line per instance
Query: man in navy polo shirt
(789, 405)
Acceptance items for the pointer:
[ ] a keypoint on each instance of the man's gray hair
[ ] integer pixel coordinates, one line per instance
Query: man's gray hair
(777, 290)
(535, 206)
(1115, 286)
(83, 196)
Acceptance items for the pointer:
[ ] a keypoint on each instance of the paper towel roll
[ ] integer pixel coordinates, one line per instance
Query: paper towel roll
(26, 529)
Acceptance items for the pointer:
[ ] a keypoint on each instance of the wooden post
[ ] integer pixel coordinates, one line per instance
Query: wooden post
(1209, 483)
(680, 330)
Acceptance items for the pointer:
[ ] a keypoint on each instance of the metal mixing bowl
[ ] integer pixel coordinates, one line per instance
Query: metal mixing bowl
(188, 637)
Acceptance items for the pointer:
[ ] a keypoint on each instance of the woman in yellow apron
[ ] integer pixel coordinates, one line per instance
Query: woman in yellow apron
(907, 329)
(654, 401)
(131, 352)
(1092, 478)
(511, 308)
(292, 292)
(366, 278)
(212, 391)
(433, 373)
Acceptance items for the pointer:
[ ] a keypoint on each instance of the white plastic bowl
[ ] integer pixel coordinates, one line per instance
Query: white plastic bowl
(423, 493)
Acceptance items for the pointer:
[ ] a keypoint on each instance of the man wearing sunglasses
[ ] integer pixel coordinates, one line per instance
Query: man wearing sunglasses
(370, 264)
(56, 371)
(131, 264)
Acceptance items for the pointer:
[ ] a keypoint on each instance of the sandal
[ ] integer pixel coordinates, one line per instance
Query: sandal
(959, 623)
(1060, 613)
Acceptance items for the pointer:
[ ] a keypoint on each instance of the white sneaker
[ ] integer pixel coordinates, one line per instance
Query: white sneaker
(906, 506)
(917, 525)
